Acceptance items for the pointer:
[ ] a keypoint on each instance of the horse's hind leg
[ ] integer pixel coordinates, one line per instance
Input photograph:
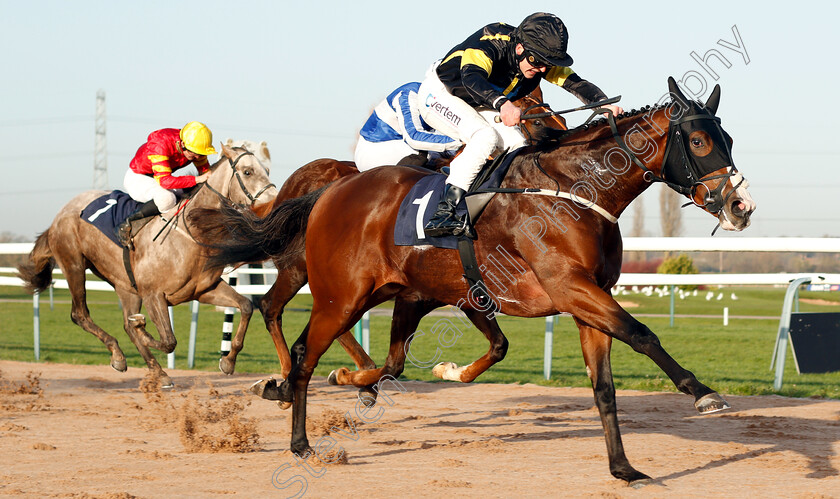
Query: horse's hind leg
(498, 349)
(158, 310)
(225, 296)
(131, 321)
(596, 355)
(74, 273)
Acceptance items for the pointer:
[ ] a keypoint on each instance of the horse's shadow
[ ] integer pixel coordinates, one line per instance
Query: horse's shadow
(670, 414)
(814, 439)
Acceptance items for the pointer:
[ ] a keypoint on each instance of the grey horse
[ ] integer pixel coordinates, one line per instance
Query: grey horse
(168, 269)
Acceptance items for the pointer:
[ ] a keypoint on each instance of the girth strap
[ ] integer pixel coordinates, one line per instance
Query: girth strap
(127, 263)
(481, 296)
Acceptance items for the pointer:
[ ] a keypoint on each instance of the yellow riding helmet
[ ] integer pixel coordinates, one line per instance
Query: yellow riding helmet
(198, 138)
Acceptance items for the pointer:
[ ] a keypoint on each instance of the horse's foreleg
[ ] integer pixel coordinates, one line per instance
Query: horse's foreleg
(498, 349)
(597, 308)
(225, 296)
(596, 355)
(131, 304)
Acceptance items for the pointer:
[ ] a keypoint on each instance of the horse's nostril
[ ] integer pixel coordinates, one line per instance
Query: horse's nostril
(738, 208)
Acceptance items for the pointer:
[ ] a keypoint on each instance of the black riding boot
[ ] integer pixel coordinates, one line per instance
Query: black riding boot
(445, 221)
(148, 209)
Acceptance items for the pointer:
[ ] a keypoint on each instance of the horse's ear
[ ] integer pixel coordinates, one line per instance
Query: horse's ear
(264, 148)
(228, 152)
(675, 89)
(714, 100)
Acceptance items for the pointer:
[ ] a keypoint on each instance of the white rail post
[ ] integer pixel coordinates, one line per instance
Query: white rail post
(227, 326)
(366, 332)
(780, 351)
(672, 305)
(170, 357)
(36, 319)
(549, 345)
(725, 316)
(193, 330)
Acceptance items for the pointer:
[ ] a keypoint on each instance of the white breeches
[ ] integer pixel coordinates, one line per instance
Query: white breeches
(372, 154)
(144, 188)
(477, 129)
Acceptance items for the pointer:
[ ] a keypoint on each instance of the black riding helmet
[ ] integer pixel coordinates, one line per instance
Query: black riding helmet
(544, 38)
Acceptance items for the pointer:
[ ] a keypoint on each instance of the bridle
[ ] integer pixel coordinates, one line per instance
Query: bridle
(235, 174)
(685, 176)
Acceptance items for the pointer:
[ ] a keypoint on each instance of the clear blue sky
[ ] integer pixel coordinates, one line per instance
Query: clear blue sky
(304, 76)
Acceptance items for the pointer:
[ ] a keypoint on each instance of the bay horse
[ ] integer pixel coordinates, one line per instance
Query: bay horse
(564, 256)
(168, 271)
(292, 274)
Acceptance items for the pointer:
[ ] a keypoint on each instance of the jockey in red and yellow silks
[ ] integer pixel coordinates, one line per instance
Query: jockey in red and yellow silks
(149, 178)
(161, 155)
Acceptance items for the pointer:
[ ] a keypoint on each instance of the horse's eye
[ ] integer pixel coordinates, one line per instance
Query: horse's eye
(696, 142)
(247, 173)
(538, 122)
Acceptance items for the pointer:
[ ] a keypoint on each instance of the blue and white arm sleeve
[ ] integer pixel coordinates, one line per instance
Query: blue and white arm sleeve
(415, 132)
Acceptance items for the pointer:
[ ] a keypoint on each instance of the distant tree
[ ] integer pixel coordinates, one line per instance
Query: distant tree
(680, 264)
(12, 260)
(670, 215)
(9, 237)
(638, 228)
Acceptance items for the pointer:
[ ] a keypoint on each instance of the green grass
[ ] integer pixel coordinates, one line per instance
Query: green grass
(733, 359)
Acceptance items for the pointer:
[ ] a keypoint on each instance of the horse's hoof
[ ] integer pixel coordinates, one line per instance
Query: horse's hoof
(711, 403)
(634, 478)
(638, 484)
(119, 365)
(267, 389)
(226, 366)
(440, 369)
(283, 405)
(448, 371)
(368, 396)
(332, 378)
(259, 386)
(166, 383)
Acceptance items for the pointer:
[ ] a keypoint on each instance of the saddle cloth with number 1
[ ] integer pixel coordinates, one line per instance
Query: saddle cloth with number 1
(420, 204)
(108, 211)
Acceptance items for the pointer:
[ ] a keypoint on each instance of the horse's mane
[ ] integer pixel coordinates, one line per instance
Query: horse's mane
(599, 128)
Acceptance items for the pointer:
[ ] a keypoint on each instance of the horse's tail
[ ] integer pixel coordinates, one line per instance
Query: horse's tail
(37, 272)
(237, 236)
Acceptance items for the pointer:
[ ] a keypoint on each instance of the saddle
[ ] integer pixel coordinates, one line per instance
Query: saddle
(107, 212)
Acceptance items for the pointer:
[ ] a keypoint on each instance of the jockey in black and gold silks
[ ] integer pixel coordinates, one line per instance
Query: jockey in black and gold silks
(483, 71)
(464, 94)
